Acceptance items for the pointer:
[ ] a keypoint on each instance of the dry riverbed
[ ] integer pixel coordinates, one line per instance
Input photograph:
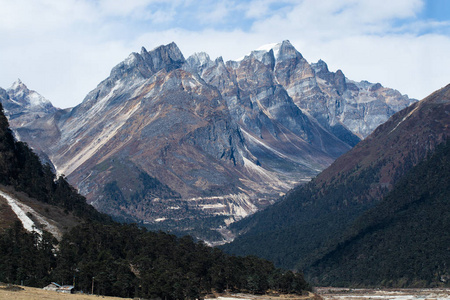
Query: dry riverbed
(328, 293)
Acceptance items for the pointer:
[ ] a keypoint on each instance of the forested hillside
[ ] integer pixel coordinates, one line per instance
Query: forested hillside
(302, 227)
(404, 239)
(128, 261)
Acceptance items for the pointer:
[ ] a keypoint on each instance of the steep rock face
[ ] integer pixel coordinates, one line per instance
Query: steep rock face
(276, 131)
(173, 126)
(180, 143)
(359, 106)
(337, 103)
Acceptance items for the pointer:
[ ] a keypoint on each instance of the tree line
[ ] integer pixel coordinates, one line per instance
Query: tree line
(116, 259)
(129, 261)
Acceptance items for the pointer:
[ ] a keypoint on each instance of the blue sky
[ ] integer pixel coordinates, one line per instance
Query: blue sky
(64, 48)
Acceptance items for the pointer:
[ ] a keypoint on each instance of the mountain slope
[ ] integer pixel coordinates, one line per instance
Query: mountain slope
(310, 219)
(403, 240)
(221, 140)
(23, 177)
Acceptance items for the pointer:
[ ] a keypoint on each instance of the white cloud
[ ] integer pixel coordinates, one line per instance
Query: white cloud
(215, 14)
(63, 49)
(43, 15)
(122, 8)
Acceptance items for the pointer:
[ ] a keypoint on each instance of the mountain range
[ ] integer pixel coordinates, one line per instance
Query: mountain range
(49, 233)
(196, 144)
(378, 216)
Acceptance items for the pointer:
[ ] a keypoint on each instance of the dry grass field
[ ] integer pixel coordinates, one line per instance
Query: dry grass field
(29, 293)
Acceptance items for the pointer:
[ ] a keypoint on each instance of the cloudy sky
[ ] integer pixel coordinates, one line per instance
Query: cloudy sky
(64, 48)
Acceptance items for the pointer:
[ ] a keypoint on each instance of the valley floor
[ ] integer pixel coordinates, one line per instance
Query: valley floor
(311, 296)
(29, 293)
(14, 292)
(330, 293)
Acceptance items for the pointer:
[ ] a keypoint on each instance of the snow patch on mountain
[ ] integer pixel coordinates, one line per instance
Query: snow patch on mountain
(23, 211)
(238, 205)
(259, 53)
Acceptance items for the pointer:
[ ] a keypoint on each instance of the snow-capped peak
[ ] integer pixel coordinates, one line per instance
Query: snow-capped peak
(259, 53)
(202, 58)
(17, 84)
(268, 47)
(20, 93)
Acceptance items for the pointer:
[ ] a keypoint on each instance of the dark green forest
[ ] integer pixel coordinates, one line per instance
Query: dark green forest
(118, 259)
(128, 261)
(293, 231)
(299, 231)
(402, 241)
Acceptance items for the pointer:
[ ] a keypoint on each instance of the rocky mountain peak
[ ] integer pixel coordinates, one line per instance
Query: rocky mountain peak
(19, 90)
(285, 51)
(320, 67)
(23, 105)
(198, 62)
(167, 57)
(147, 63)
(270, 54)
(340, 82)
(18, 84)
(20, 93)
(201, 58)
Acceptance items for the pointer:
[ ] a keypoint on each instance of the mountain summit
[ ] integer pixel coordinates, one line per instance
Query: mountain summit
(198, 143)
(22, 105)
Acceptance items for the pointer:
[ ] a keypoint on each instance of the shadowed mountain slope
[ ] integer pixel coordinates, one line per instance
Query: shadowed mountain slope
(309, 219)
(403, 240)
